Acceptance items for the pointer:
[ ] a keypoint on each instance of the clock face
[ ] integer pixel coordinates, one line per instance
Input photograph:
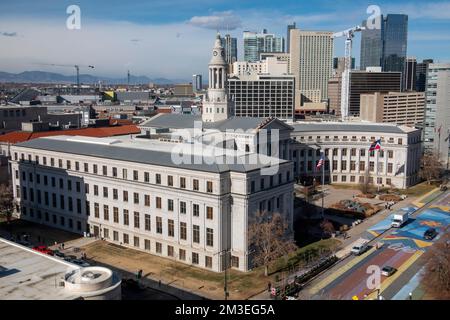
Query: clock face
(215, 53)
(222, 53)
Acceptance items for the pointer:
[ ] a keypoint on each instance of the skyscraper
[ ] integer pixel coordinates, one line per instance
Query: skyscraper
(385, 47)
(421, 74)
(288, 36)
(409, 75)
(311, 64)
(257, 43)
(437, 113)
(230, 46)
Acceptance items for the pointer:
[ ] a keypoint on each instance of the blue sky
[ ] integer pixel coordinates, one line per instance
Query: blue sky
(173, 39)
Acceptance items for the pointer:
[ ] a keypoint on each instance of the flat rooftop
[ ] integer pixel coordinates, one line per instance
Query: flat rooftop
(26, 274)
(199, 157)
(359, 127)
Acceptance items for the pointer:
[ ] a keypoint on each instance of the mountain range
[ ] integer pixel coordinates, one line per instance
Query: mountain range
(50, 77)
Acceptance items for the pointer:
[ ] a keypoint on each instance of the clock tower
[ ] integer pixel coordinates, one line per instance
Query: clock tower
(216, 105)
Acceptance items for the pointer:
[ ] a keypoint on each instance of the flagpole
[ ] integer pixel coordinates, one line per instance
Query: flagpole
(323, 181)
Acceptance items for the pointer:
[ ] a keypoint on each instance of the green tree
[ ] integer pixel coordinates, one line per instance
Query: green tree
(6, 201)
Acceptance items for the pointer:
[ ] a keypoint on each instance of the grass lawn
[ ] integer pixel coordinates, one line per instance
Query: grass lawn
(420, 189)
(206, 283)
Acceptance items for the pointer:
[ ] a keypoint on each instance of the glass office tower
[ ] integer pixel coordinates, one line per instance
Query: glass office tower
(385, 47)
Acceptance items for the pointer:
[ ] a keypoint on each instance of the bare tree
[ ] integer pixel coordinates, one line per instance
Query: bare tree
(366, 187)
(327, 227)
(437, 271)
(268, 239)
(430, 167)
(6, 201)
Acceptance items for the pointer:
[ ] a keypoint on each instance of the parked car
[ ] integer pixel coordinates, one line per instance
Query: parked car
(69, 258)
(80, 262)
(388, 271)
(430, 234)
(443, 187)
(360, 246)
(59, 254)
(24, 243)
(43, 249)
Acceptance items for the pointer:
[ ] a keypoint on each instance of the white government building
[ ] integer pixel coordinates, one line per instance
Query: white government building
(131, 191)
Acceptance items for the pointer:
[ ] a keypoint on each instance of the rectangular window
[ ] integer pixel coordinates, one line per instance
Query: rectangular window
(146, 177)
(135, 175)
(147, 200)
(171, 228)
(209, 186)
(196, 233)
(106, 212)
(182, 183)
(209, 237)
(126, 238)
(196, 185)
(148, 223)
(235, 262)
(136, 197)
(158, 246)
(115, 194)
(196, 210)
(125, 196)
(124, 174)
(170, 181)
(169, 204)
(116, 215)
(182, 254)
(126, 217)
(95, 190)
(158, 202)
(158, 178)
(96, 210)
(136, 241)
(105, 192)
(209, 213)
(95, 169)
(136, 220)
(194, 258)
(104, 170)
(115, 236)
(106, 233)
(208, 262)
(159, 225)
(182, 207)
(183, 231)
(147, 244)
(114, 172)
(170, 251)
(86, 167)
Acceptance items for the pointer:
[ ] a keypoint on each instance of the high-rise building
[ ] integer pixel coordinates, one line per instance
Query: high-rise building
(256, 43)
(334, 94)
(268, 66)
(371, 81)
(197, 82)
(272, 96)
(280, 56)
(409, 75)
(386, 46)
(421, 74)
(437, 111)
(230, 46)
(401, 108)
(312, 65)
(288, 36)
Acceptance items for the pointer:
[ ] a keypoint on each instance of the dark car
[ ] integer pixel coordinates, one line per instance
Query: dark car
(58, 254)
(388, 271)
(430, 234)
(69, 258)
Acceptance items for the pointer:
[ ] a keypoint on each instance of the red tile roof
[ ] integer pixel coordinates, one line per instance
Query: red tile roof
(21, 136)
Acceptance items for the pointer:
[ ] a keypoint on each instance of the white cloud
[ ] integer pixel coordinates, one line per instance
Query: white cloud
(225, 20)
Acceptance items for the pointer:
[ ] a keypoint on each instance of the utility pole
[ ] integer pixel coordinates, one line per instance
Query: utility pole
(225, 254)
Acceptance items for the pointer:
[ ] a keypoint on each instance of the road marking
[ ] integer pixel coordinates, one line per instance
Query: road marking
(419, 202)
(322, 284)
(388, 281)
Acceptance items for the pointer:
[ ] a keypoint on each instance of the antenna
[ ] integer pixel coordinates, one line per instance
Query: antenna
(128, 80)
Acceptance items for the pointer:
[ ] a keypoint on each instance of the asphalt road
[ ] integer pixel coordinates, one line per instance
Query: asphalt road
(349, 277)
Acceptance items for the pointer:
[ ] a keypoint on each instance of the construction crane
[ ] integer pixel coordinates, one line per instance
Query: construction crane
(76, 66)
(345, 90)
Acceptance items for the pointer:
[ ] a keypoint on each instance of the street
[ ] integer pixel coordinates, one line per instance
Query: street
(402, 249)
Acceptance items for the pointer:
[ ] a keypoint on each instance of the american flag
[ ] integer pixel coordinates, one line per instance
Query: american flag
(320, 163)
(375, 146)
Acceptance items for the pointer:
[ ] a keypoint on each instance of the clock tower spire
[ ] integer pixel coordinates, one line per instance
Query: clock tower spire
(216, 106)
